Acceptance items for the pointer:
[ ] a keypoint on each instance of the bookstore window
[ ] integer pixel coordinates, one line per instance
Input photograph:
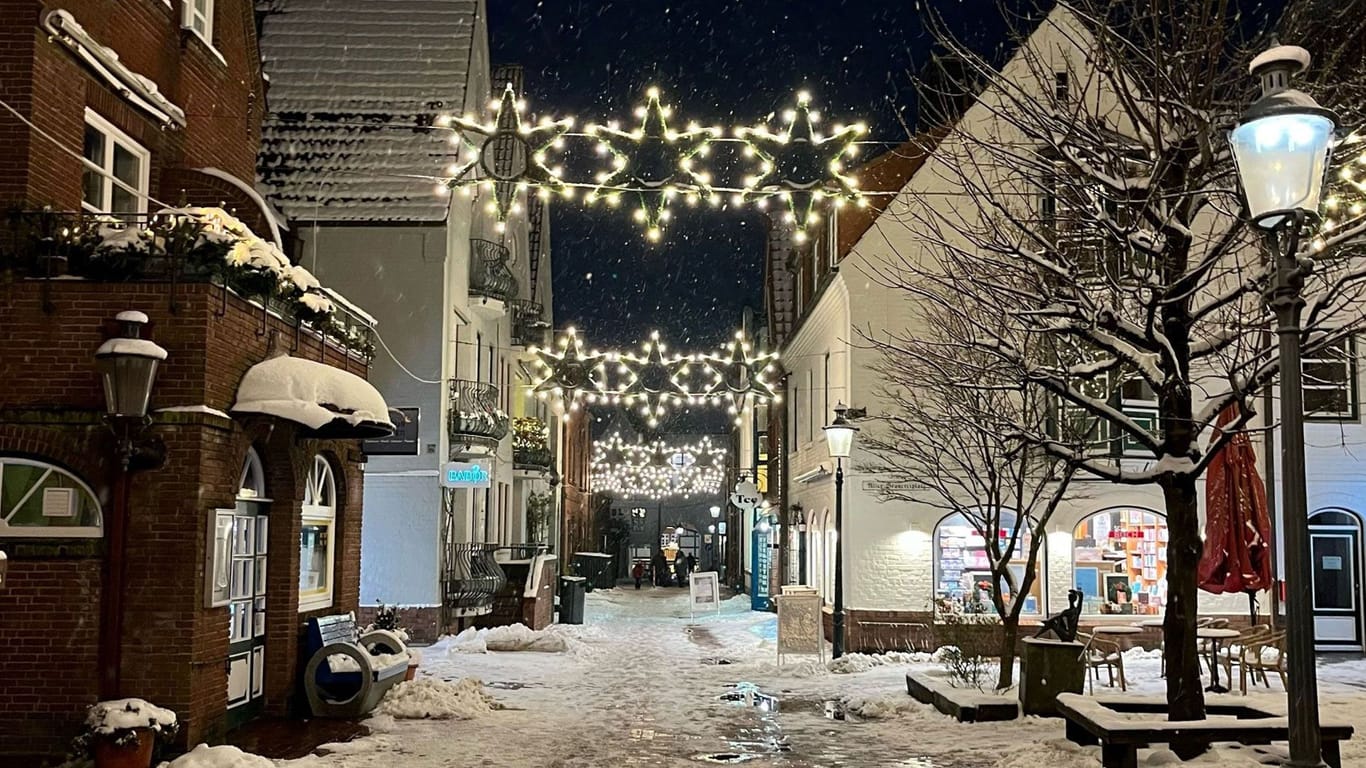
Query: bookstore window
(963, 574)
(1119, 562)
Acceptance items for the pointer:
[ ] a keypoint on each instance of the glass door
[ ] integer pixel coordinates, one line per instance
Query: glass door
(1336, 587)
(247, 612)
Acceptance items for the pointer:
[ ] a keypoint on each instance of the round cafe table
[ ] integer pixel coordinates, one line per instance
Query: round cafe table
(1120, 633)
(1216, 638)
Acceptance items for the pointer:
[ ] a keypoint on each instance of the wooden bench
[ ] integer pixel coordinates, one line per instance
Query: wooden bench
(1100, 721)
(349, 693)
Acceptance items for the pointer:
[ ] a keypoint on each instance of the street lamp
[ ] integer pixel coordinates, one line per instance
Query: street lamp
(715, 512)
(839, 438)
(1281, 148)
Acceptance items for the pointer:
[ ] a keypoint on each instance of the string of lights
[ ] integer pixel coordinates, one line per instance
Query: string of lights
(654, 163)
(734, 377)
(656, 469)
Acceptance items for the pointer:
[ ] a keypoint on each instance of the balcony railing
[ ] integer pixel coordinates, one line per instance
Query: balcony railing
(528, 323)
(530, 444)
(470, 577)
(490, 276)
(474, 414)
(521, 551)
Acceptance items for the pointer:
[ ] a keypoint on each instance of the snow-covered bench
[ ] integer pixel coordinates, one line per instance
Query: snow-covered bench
(347, 674)
(1109, 722)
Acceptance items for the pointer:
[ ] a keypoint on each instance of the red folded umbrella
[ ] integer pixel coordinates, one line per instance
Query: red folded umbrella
(1237, 554)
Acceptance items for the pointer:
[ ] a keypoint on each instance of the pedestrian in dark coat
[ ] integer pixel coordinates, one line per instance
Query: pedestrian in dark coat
(638, 573)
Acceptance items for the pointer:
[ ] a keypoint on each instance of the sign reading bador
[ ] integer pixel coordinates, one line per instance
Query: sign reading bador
(464, 474)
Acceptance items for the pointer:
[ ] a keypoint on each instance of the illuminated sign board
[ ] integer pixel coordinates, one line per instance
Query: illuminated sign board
(464, 474)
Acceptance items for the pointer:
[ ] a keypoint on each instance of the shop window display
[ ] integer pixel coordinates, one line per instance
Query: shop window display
(963, 581)
(1119, 562)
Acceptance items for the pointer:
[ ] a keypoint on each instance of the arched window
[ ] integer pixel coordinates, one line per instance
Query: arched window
(962, 569)
(252, 485)
(38, 499)
(1119, 562)
(317, 538)
(831, 541)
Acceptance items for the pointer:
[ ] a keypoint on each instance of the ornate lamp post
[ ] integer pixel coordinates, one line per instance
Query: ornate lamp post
(127, 365)
(839, 438)
(1281, 147)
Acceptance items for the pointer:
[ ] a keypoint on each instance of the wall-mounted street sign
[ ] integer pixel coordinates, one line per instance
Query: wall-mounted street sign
(746, 496)
(464, 474)
(404, 441)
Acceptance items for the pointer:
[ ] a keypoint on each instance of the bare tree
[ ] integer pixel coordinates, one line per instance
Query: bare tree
(1087, 204)
(950, 440)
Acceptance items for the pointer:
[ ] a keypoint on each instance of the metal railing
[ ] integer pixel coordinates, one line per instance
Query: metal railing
(528, 323)
(530, 443)
(521, 551)
(474, 413)
(470, 576)
(490, 276)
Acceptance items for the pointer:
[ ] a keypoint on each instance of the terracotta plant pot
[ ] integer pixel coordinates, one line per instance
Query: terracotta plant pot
(135, 754)
(411, 673)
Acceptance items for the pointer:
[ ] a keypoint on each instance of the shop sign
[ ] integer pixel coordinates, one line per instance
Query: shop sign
(759, 571)
(404, 440)
(464, 474)
(746, 496)
(1126, 534)
(703, 592)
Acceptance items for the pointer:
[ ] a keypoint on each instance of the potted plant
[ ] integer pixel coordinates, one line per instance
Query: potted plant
(122, 733)
(386, 619)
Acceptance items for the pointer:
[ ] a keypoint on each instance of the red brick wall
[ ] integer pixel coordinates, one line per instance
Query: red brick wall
(223, 103)
(174, 649)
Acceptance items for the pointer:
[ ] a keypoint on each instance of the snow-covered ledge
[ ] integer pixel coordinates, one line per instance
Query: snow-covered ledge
(328, 401)
(141, 91)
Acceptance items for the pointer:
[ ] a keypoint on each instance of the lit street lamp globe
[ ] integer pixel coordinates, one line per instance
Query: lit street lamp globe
(1282, 143)
(839, 434)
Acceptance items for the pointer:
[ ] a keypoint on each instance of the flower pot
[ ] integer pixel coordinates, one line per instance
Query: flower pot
(135, 753)
(412, 671)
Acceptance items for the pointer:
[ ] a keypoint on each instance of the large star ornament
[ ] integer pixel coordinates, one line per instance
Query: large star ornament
(740, 375)
(800, 165)
(569, 373)
(654, 161)
(654, 380)
(510, 157)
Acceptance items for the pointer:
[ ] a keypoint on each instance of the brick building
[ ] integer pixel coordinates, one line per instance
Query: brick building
(185, 578)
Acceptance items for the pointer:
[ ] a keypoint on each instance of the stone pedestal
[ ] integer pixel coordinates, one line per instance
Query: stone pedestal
(1048, 668)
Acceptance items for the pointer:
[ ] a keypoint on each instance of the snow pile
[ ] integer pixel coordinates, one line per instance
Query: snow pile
(878, 707)
(340, 662)
(1055, 753)
(514, 637)
(437, 700)
(862, 662)
(309, 393)
(205, 756)
(1139, 654)
(109, 717)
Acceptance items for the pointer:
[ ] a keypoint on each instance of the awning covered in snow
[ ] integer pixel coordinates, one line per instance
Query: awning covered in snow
(327, 401)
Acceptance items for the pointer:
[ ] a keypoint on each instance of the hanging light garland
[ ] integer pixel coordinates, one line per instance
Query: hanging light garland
(653, 162)
(657, 469)
(1345, 204)
(649, 382)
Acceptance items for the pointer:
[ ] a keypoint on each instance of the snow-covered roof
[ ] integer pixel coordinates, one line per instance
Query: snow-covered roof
(329, 401)
(349, 80)
(141, 91)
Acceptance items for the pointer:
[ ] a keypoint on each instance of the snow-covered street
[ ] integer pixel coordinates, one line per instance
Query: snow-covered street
(640, 683)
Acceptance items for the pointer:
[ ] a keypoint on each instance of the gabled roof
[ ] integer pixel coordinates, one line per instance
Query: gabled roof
(882, 177)
(350, 84)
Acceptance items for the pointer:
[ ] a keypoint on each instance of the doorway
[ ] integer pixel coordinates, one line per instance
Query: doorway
(1335, 554)
(247, 606)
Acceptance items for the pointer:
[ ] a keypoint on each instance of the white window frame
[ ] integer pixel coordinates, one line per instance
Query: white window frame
(44, 531)
(1349, 383)
(252, 485)
(319, 508)
(191, 15)
(112, 136)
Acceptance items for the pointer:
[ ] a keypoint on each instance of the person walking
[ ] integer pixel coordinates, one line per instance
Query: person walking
(692, 563)
(681, 569)
(638, 573)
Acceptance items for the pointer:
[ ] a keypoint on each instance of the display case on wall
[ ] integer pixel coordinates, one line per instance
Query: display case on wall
(964, 567)
(1119, 562)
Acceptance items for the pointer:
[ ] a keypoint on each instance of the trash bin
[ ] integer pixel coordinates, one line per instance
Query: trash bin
(597, 567)
(571, 599)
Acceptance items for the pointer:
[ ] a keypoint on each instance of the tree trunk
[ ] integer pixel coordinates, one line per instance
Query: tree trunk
(1185, 694)
(1010, 631)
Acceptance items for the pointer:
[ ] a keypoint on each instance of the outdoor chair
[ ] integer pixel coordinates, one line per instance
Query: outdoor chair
(1260, 655)
(1098, 654)
(1231, 654)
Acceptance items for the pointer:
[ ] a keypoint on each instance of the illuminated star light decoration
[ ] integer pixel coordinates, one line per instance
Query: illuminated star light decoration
(509, 158)
(657, 469)
(648, 383)
(800, 165)
(740, 375)
(654, 161)
(567, 373)
(1345, 204)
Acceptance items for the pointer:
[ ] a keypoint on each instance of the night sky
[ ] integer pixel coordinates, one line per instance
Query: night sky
(726, 62)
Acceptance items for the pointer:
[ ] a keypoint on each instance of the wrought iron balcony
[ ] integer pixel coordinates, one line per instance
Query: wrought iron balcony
(490, 276)
(521, 551)
(470, 577)
(530, 444)
(528, 324)
(474, 416)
